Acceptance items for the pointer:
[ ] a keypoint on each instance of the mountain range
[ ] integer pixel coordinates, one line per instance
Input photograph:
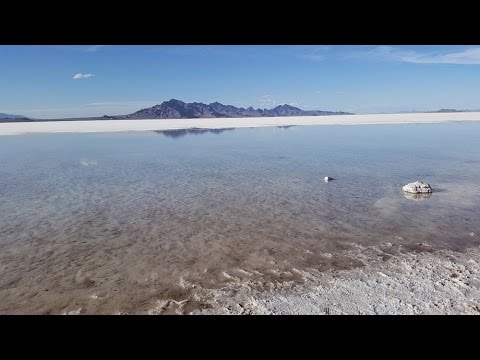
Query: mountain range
(176, 109)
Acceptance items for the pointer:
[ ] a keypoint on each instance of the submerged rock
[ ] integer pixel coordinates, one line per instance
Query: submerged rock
(417, 187)
(418, 196)
(328, 178)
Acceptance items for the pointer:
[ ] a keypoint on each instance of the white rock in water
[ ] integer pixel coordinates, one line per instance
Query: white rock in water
(327, 178)
(417, 187)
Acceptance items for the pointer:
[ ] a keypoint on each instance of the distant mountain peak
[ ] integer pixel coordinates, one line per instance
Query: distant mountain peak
(286, 106)
(449, 110)
(13, 118)
(174, 101)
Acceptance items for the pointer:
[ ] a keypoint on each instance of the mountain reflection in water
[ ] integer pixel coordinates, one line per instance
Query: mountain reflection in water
(177, 133)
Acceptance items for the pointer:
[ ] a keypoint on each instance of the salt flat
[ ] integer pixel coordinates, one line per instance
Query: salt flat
(220, 123)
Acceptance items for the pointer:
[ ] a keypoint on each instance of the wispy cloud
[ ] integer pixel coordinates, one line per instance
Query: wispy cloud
(267, 101)
(312, 53)
(94, 48)
(312, 57)
(466, 57)
(139, 103)
(330, 91)
(244, 51)
(82, 76)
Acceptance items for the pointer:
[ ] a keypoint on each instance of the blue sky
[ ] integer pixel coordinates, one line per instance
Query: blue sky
(93, 80)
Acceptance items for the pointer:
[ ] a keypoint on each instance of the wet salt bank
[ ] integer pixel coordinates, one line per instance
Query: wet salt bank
(241, 221)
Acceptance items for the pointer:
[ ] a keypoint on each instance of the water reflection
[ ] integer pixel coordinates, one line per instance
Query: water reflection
(178, 133)
(417, 197)
(88, 162)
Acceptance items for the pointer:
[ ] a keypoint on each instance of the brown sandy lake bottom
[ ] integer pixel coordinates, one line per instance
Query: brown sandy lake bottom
(122, 222)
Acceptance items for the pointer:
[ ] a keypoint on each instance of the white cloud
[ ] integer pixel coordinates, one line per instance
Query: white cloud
(466, 57)
(82, 76)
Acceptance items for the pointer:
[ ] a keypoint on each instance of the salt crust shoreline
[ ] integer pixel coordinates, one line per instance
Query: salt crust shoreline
(22, 128)
(429, 282)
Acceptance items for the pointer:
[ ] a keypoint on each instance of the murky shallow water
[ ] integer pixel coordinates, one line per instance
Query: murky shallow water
(115, 222)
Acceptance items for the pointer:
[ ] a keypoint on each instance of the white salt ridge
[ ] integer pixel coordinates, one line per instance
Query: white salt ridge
(222, 123)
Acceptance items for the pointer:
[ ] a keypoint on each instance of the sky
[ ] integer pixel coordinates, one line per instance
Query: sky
(94, 80)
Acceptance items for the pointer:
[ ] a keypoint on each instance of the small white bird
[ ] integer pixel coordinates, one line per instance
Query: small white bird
(328, 178)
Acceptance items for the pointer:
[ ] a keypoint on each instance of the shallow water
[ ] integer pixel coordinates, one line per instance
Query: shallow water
(111, 223)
